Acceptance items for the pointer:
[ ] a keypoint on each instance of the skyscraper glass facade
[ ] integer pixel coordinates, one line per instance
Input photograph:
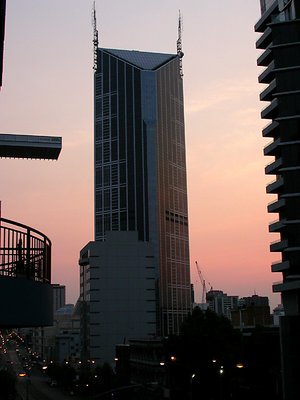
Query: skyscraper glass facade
(140, 166)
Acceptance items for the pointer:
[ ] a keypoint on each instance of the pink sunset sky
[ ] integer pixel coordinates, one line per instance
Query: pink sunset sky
(48, 90)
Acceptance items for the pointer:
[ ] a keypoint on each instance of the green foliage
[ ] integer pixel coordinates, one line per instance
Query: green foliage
(97, 380)
(207, 343)
(206, 336)
(202, 361)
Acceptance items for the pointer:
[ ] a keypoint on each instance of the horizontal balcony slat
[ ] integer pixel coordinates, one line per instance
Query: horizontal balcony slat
(279, 245)
(280, 266)
(273, 167)
(275, 185)
(271, 129)
(271, 110)
(274, 206)
(265, 39)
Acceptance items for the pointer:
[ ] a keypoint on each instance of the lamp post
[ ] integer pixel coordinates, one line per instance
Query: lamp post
(221, 372)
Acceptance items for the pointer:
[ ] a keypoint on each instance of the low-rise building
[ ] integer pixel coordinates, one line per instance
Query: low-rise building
(221, 303)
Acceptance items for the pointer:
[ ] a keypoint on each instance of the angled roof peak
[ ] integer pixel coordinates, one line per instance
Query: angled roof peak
(141, 59)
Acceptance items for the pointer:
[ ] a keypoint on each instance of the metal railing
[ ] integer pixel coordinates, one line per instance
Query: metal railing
(24, 252)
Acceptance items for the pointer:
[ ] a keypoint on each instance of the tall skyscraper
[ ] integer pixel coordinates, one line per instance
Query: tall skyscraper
(140, 180)
(140, 165)
(280, 42)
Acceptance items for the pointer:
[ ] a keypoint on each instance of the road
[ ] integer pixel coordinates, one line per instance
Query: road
(33, 385)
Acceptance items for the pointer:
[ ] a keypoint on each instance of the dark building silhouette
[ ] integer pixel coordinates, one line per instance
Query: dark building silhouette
(279, 26)
(25, 276)
(252, 311)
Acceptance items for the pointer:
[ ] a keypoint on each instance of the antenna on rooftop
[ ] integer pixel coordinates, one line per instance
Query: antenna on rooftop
(95, 36)
(179, 44)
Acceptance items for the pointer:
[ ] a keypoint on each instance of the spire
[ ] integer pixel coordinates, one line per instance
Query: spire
(179, 44)
(95, 36)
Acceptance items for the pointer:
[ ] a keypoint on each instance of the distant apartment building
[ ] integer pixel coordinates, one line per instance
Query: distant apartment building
(59, 296)
(61, 341)
(251, 312)
(135, 276)
(67, 337)
(221, 303)
(279, 28)
(255, 300)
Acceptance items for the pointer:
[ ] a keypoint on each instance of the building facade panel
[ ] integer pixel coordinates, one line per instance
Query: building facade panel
(175, 293)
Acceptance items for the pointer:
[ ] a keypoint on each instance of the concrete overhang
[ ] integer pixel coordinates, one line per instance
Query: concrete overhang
(30, 146)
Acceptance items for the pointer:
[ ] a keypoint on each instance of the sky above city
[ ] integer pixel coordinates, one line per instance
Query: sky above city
(48, 90)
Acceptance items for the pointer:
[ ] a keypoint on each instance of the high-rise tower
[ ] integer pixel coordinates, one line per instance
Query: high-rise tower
(280, 40)
(140, 165)
(140, 172)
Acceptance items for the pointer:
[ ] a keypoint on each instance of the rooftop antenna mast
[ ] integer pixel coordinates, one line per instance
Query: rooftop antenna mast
(95, 36)
(179, 44)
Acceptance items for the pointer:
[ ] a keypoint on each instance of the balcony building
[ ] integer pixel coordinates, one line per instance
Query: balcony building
(26, 295)
(279, 26)
(25, 276)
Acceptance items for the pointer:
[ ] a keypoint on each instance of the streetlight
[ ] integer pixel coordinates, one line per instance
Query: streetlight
(221, 372)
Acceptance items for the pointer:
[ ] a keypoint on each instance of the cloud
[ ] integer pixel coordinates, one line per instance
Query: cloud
(222, 92)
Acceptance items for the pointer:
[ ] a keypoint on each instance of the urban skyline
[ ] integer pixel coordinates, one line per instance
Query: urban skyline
(225, 161)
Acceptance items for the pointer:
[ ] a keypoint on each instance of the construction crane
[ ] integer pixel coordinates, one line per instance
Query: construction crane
(203, 283)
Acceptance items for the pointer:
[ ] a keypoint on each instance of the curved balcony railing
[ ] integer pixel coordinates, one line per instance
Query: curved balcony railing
(24, 252)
